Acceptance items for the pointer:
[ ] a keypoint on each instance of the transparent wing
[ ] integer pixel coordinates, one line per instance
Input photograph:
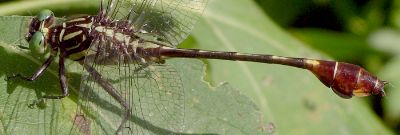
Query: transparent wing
(114, 84)
(170, 21)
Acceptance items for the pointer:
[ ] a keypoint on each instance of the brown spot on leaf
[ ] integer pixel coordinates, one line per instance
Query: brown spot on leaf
(270, 128)
(82, 124)
(267, 80)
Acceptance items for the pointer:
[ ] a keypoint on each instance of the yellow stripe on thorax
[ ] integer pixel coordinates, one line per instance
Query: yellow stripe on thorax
(78, 55)
(76, 20)
(72, 35)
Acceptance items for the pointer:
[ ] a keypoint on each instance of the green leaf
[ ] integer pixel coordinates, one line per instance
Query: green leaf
(69, 6)
(341, 46)
(293, 9)
(386, 40)
(391, 103)
(395, 14)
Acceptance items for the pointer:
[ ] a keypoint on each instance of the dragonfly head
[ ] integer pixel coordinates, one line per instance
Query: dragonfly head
(39, 28)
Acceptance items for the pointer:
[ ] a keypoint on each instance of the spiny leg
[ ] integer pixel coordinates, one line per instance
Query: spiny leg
(62, 79)
(38, 72)
(141, 67)
(113, 92)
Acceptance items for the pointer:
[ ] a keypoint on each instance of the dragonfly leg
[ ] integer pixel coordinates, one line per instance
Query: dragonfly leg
(38, 72)
(63, 80)
(109, 88)
(141, 67)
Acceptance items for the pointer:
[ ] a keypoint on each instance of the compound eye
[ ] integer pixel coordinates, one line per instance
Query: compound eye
(44, 15)
(36, 42)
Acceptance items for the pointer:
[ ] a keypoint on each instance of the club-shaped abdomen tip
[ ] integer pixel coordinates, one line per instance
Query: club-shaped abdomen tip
(347, 80)
(366, 84)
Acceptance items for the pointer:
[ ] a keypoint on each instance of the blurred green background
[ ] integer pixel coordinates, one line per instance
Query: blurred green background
(363, 32)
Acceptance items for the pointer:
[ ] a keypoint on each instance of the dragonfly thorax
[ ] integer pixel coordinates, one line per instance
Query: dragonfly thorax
(75, 38)
(78, 37)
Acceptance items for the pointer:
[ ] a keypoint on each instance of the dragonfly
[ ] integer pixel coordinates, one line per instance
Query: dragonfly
(124, 49)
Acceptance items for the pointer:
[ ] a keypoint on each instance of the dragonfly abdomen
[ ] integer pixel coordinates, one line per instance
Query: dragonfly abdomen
(345, 79)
